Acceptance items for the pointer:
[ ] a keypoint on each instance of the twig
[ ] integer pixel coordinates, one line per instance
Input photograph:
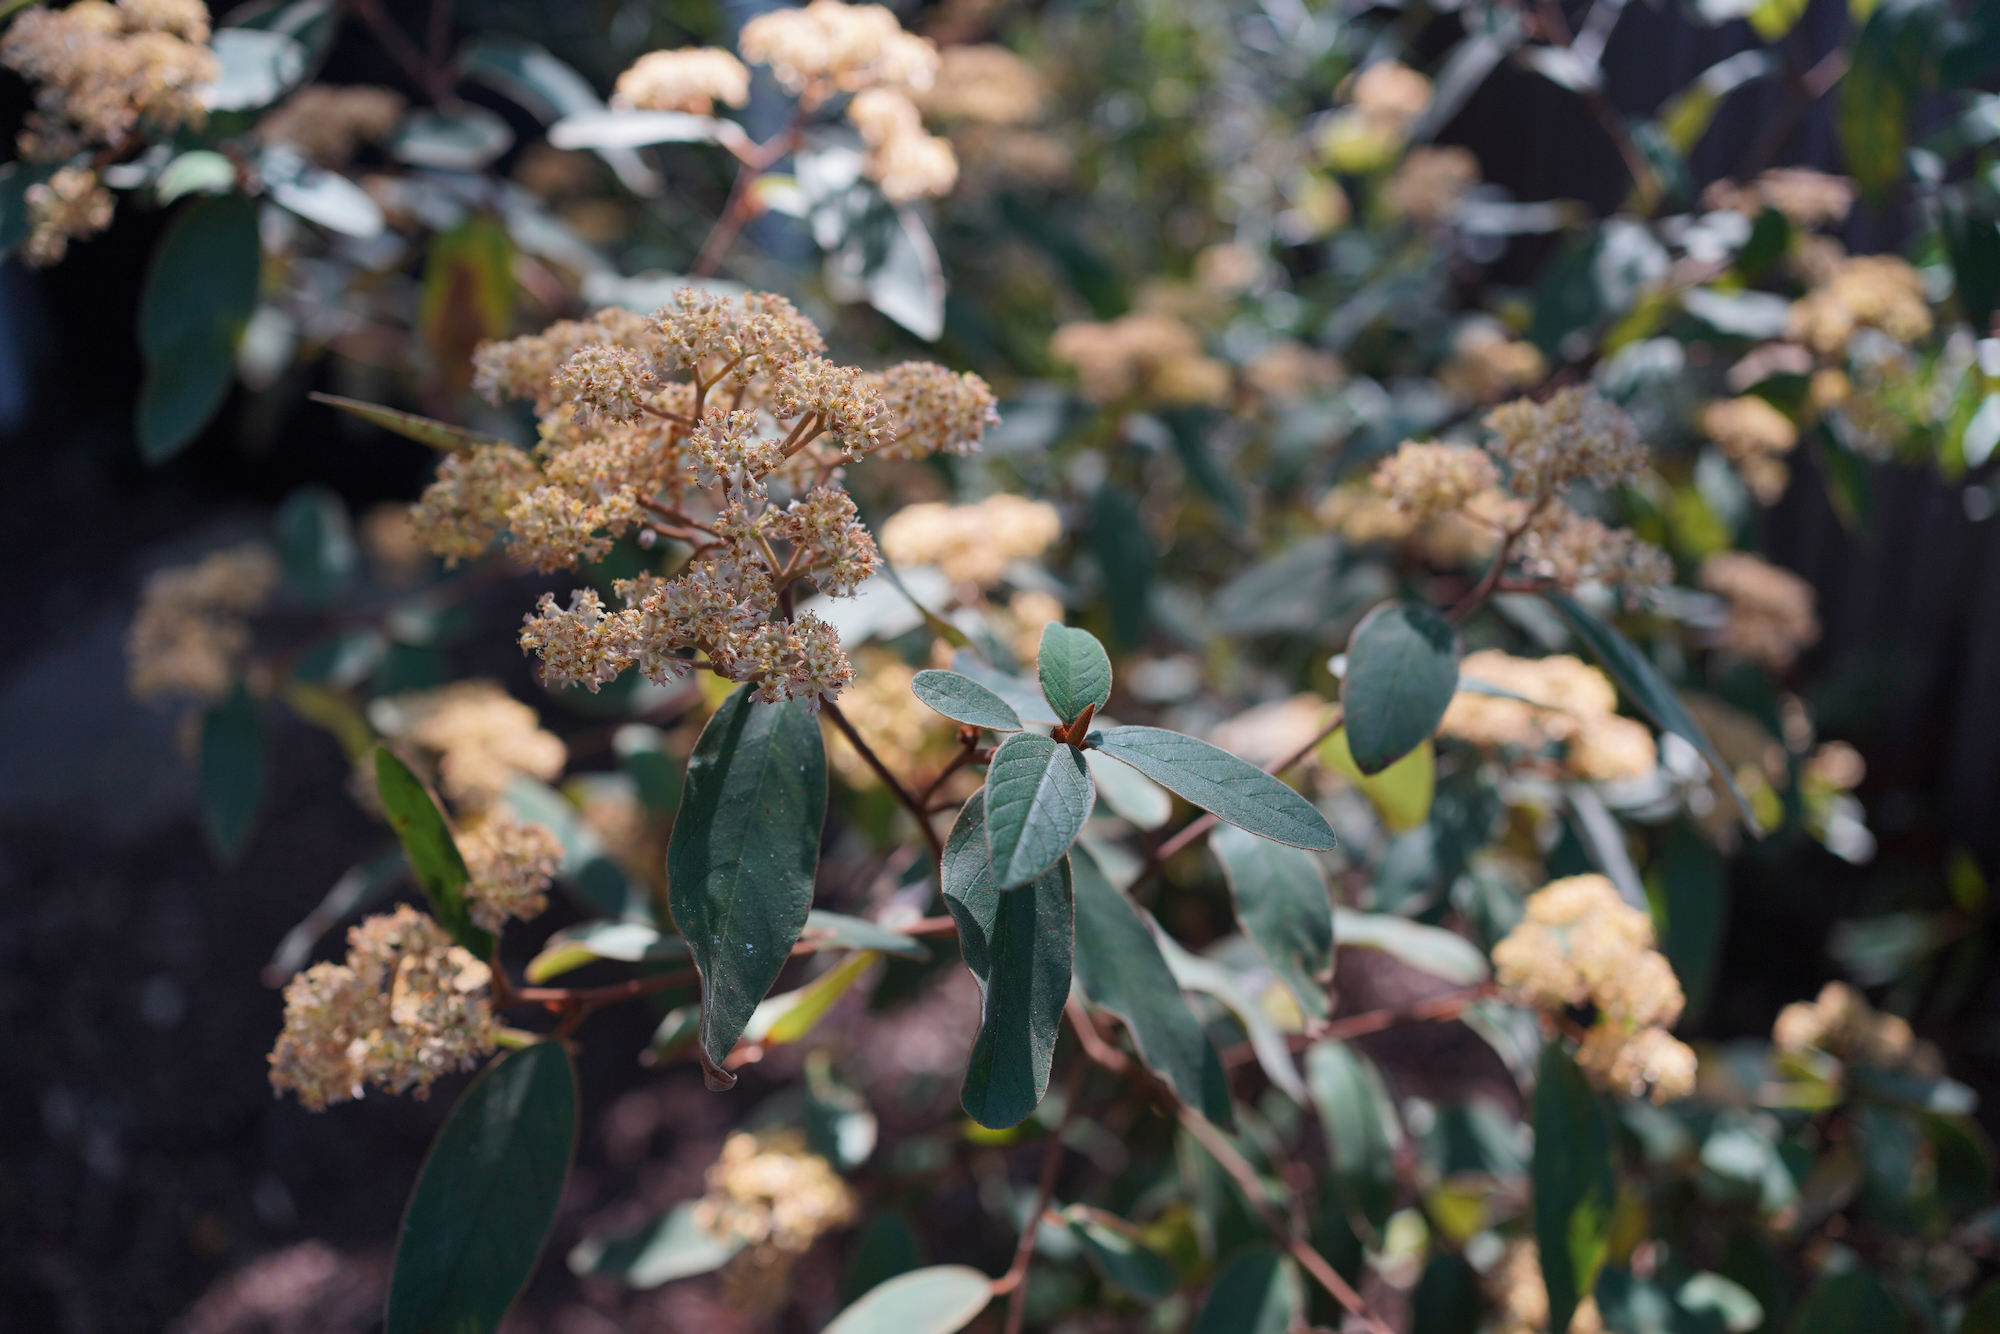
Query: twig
(1015, 1281)
(1438, 1009)
(742, 205)
(405, 53)
(889, 780)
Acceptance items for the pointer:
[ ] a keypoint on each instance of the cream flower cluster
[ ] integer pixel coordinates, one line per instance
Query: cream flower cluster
(983, 83)
(511, 863)
(1427, 185)
(1150, 354)
(1771, 611)
(1486, 365)
(1755, 436)
(691, 79)
(190, 632)
(1806, 197)
(406, 1007)
(1574, 707)
(329, 123)
(481, 735)
(903, 158)
(767, 1192)
(1865, 291)
(827, 47)
(971, 543)
(1841, 1023)
(1580, 944)
(68, 205)
(103, 69)
(1385, 100)
(717, 422)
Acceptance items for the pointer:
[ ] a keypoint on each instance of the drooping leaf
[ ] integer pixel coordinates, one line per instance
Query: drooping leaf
(1120, 968)
(232, 771)
(673, 1246)
(1428, 949)
(1574, 1182)
(1285, 908)
(1401, 793)
(1130, 794)
(1210, 977)
(1259, 1293)
(942, 1299)
(1074, 670)
(741, 861)
(1851, 1302)
(486, 1197)
(200, 291)
(1228, 788)
(424, 430)
(1124, 551)
(1038, 794)
(1402, 667)
(837, 931)
(316, 544)
(1121, 1258)
(433, 854)
(604, 938)
(964, 700)
(1017, 946)
(1361, 1131)
(1645, 687)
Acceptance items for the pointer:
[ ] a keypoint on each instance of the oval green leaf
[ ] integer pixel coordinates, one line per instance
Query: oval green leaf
(1285, 909)
(486, 1197)
(232, 772)
(1645, 687)
(1401, 793)
(1074, 670)
(1038, 794)
(1575, 1184)
(741, 861)
(942, 1299)
(1259, 1293)
(673, 1246)
(199, 294)
(1851, 1302)
(432, 852)
(1018, 948)
(424, 430)
(1119, 1258)
(1120, 967)
(837, 931)
(1228, 788)
(1402, 667)
(964, 700)
(1361, 1133)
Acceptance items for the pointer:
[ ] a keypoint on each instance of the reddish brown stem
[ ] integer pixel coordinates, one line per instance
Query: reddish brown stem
(1015, 1281)
(889, 780)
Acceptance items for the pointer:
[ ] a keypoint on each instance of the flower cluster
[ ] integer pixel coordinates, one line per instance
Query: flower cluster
(406, 1007)
(104, 69)
(1582, 945)
(717, 422)
(329, 124)
(481, 735)
(190, 631)
(1427, 185)
(1385, 100)
(1425, 481)
(1575, 436)
(1756, 437)
(903, 158)
(989, 84)
(767, 1192)
(68, 205)
(1150, 354)
(1289, 370)
(511, 864)
(972, 544)
(897, 726)
(827, 47)
(1806, 197)
(1865, 291)
(1771, 611)
(1573, 712)
(1841, 1023)
(1486, 365)
(690, 79)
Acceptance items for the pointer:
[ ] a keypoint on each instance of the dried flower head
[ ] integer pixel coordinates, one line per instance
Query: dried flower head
(691, 79)
(904, 159)
(1576, 435)
(1574, 707)
(1873, 291)
(1771, 610)
(69, 205)
(828, 47)
(971, 543)
(1150, 354)
(102, 70)
(1841, 1023)
(1426, 480)
(482, 736)
(983, 83)
(1566, 548)
(406, 1007)
(329, 124)
(511, 864)
(1754, 435)
(775, 1198)
(932, 410)
(1486, 365)
(190, 632)
(1427, 185)
(1521, 1298)
(1289, 370)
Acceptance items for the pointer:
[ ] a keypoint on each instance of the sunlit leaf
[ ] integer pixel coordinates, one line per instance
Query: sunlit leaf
(588, 942)
(939, 1300)
(964, 700)
(1038, 794)
(1285, 909)
(1402, 668)
(486, 1197)
(433, 854)
(1401, 793)
(744, 851)
(1221, 784)
(672, 1246)
(200, 290)
(787, 1018)
(1130, 794)
(1074, 670)
(1018, 947)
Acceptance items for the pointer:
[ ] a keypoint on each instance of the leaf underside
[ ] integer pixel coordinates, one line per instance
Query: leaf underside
(964, 700)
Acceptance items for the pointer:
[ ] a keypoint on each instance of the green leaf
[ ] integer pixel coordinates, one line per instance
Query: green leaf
(424, 430)
(1119, 1257)
(316, 544)
(887, 1247)
(655, 773)
(605, 938)
(1038, 794)
(1694, 892)
(942, 1299)
(1130, 794)
(964, 700)
(427, 842)
(741, 861)
(1895, 58)
(200, 291)
(1645, 687)
(486, 1197)
(1074, 670)
(232, 772)
(1982, 1313)
(1017, 946)
(1124, 551)
(1402, 668)
(1361, 1132)
(789, 1017)
(588, 870)
(1259, 1293)
(837, 931)
(1574, 1182)
(1022, 695)
(1228, 788)
(1851, 1302)
(1401, 793)
(1447, 1297)
(673, 1246)
(1428, 949)
(1121, 970)
(1285, 909)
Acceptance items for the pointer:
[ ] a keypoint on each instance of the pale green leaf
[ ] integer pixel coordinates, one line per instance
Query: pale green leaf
(1074, 670)
(964, 700)
(1228, 788)
(942, 1299)
(1038, 794)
